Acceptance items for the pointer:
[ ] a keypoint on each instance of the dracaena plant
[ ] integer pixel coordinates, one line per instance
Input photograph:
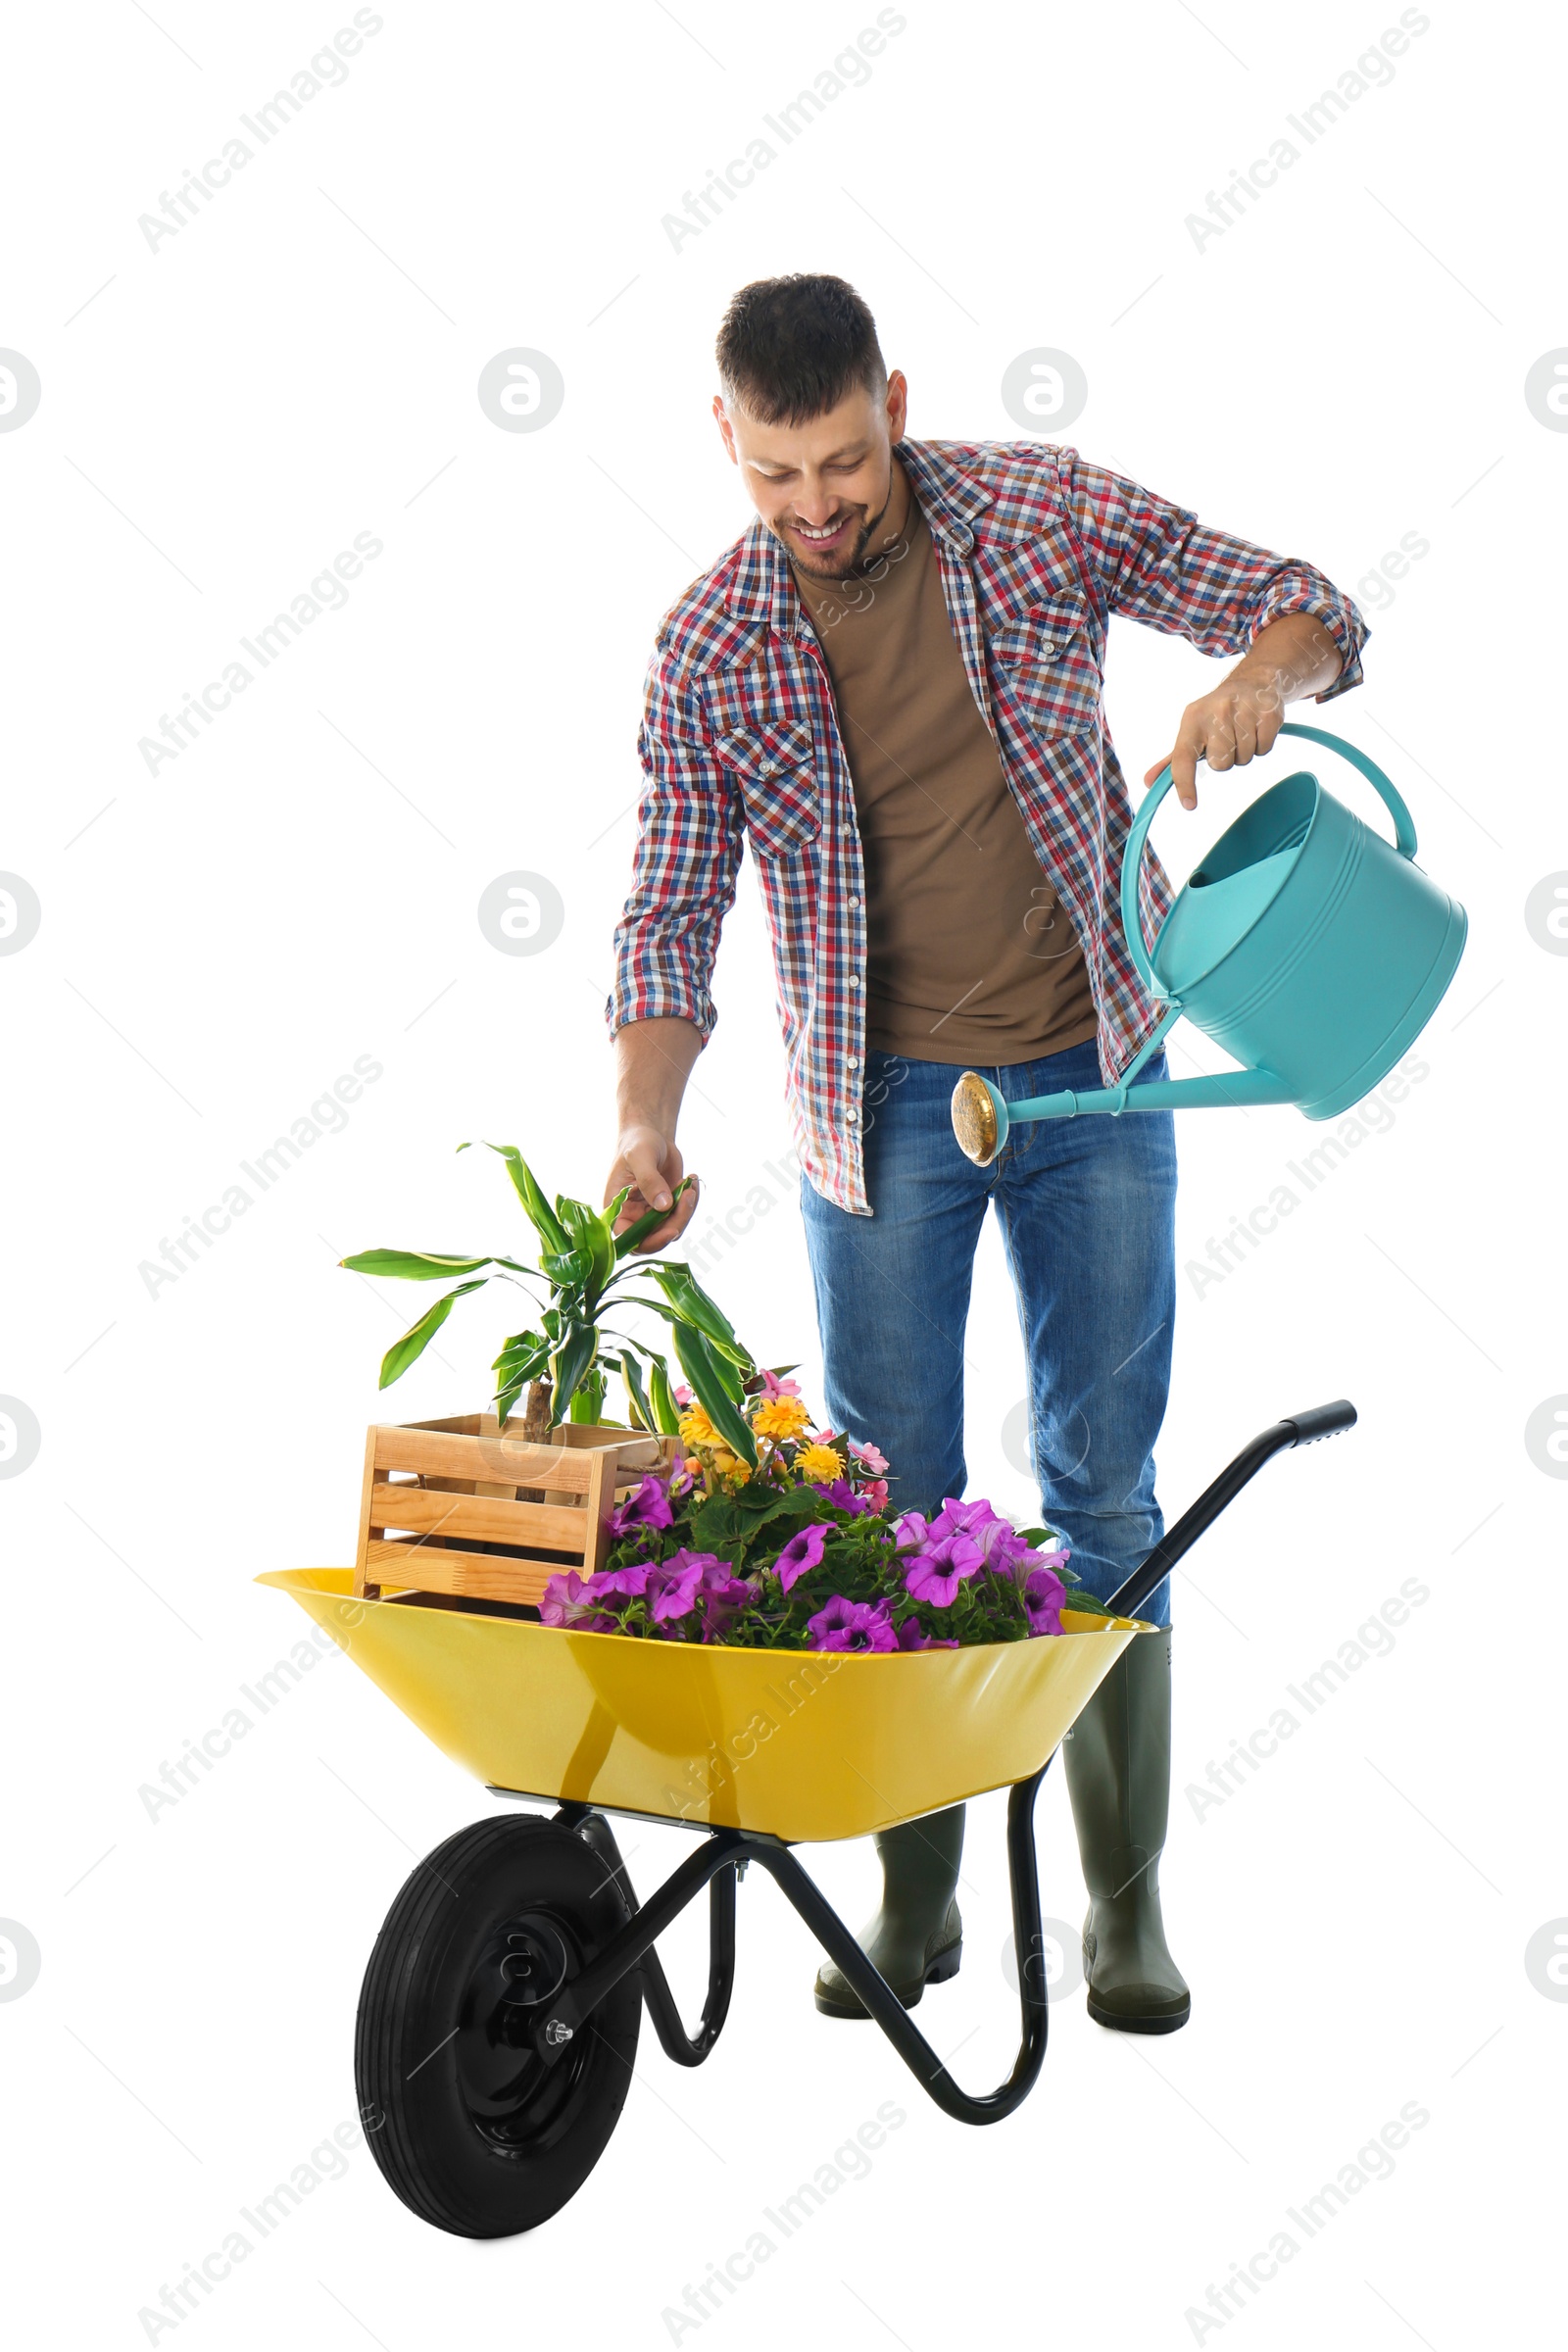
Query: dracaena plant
(585, 1277)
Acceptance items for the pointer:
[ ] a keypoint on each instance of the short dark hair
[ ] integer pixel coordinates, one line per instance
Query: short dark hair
(791, 348)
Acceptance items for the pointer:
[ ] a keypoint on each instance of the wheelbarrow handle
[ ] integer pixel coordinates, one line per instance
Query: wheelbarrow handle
(1300, 1429)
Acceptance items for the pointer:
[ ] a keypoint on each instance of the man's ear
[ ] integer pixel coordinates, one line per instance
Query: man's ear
(898, 404)
(726, 430)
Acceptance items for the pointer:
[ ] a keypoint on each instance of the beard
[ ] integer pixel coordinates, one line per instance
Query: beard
(842, 561)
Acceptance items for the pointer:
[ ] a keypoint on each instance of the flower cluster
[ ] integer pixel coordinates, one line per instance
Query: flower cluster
(802, 1551)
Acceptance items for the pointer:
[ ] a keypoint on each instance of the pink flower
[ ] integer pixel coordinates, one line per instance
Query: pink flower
(772, 1386)
(673, 1585)
(852, 1625)
(875, 1493)
(868, 1457)
(683, 1397)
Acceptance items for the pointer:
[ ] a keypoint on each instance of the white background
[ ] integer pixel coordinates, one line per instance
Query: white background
(221, 939)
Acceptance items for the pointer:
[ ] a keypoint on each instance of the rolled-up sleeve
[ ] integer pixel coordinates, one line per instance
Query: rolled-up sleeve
(683, 874)
(1157, 563)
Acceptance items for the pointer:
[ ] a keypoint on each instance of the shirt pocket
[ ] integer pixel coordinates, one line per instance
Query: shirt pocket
(774, 766)
(1044, 667)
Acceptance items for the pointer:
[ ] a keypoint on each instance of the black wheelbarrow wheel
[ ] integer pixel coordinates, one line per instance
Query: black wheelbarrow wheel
(470, 2126)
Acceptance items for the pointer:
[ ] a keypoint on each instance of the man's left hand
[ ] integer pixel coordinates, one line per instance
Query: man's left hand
(1294, 656)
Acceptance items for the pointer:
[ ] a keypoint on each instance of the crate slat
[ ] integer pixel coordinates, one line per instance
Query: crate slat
(443, 1454)
(466, 1574)
(480, 1518)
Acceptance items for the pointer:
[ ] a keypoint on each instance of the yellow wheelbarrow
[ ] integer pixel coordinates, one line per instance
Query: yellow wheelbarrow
(499, 2018)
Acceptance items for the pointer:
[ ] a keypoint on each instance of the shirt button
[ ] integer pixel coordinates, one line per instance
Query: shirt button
(855, 902)
(854, 979)
(853, 1113)
(854, 1061)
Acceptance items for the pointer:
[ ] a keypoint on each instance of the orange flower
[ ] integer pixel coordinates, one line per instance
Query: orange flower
(780, 1417)
(819, 1464)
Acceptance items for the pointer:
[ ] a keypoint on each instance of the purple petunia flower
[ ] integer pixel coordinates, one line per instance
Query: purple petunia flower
(852, 1625)
(801, 1555)
(1042, 1595)
(566, 1602)
(673, 1585)
(912, 1636)
(939, 1568)
(842, 1496)
(724, 1596)
(647, 1508)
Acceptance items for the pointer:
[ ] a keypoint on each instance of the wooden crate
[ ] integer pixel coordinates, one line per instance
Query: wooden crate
(435, 1488)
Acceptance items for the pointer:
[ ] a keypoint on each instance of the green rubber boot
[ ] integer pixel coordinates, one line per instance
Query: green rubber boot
(1118, 1775)
(916, 1939)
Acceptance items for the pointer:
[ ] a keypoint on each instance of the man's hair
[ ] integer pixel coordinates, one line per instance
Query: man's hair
(791, 348)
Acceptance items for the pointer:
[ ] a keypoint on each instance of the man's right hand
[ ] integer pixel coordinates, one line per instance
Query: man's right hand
(654, 1060)
(652, 1166)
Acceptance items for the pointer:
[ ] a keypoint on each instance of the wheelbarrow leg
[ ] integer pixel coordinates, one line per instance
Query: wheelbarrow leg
(883, 2003)
(686, 2049)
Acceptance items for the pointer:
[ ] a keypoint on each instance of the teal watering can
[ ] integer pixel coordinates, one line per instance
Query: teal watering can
(1304, 945)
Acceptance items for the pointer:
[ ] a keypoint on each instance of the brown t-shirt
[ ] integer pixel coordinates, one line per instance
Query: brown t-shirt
(970, 958)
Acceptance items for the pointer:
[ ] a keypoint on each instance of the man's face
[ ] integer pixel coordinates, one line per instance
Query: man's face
(822, 487)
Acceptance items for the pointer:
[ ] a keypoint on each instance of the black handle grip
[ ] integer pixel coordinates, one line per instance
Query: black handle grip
(1322, 1421)
(1301, 1429)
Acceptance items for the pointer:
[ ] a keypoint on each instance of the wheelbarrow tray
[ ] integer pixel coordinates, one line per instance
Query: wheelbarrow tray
(802, 1745)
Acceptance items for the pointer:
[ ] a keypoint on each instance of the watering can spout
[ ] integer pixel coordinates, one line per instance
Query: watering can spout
(982, 1119)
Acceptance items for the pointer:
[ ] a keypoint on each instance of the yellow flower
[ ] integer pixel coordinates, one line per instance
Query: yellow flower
(729, 1466)
(696, 1428)
(780, 1417)
(819, 1463)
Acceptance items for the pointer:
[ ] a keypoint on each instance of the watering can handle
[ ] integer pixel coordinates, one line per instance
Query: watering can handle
(1132, 921)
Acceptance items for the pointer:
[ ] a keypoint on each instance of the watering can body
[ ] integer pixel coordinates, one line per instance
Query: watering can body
(1305, 945)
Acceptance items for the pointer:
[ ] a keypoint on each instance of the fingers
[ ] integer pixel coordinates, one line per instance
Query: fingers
(677, 1223)
(1183, 758)
(651, 1168)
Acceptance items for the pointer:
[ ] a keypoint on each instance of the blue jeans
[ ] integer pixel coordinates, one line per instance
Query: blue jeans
(1087, 1212)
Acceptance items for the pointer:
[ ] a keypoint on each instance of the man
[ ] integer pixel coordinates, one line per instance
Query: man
(891, 686)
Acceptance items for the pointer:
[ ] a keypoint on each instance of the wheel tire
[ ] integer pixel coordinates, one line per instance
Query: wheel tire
(471, 2129)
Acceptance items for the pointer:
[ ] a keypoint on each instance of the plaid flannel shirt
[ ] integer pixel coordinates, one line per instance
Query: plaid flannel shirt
(740, 737)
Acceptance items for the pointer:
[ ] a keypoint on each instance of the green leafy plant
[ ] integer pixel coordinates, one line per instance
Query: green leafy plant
(585, 1275)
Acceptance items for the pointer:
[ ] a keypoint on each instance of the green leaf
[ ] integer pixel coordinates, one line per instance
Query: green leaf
(590, 1232)
(522, 1358)
(414, 1265)
(648, 1222)
(692, 1303)
(701, 1369)
(415, 1340)
(569, 1365)
(541, 1216)
(642, 1412)
(666, 1413)
(569, 1269)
